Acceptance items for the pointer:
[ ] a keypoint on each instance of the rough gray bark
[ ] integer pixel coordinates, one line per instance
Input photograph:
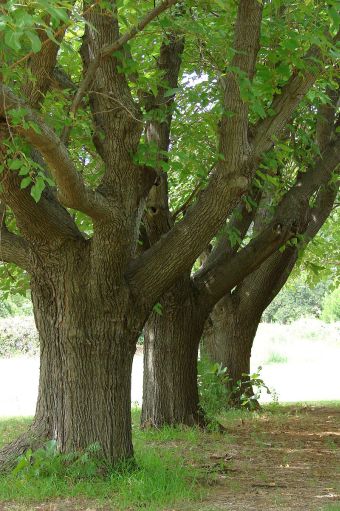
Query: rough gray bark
(228, 338)
(170, 393)
(87, 344)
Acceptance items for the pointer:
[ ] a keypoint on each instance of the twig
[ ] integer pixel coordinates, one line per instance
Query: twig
(185, 205)
(48, 41)
(108, 49)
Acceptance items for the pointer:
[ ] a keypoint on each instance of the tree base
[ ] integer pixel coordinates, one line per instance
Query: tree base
(36, 437)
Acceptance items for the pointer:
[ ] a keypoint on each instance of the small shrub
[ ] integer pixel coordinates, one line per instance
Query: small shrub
(212, 383)
(331, 307)
(217, 394)
(48, 462)
(18, 336)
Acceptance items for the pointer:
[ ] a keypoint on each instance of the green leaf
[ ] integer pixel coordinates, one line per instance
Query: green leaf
(35, 41)
(37, 189)
(170, 92)
(25, 182)
(12, 40)
(157, 308)
(15, 164)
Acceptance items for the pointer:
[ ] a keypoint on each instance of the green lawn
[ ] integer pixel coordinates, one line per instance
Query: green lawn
(160, 477)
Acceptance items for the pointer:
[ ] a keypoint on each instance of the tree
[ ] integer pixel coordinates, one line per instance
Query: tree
(233, 324)
(76, 172)
(171, 338)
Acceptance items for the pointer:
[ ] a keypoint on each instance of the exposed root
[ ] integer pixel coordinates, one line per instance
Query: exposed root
(34, 438)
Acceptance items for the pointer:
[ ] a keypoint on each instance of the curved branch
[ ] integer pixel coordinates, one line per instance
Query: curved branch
(216, 282)
(13, 249)
(72, 191)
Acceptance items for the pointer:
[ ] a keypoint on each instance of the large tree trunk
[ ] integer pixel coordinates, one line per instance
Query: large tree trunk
(171, 340)
(87, 346)
(228, 340)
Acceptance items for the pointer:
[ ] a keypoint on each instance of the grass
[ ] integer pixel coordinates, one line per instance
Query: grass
(276, 358)
(12, 427)
(176, 468)
(160, 477)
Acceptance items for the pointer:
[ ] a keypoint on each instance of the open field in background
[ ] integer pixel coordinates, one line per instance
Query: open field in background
(300, 363)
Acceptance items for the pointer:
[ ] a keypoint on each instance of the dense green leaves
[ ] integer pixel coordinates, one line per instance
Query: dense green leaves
(289, 29)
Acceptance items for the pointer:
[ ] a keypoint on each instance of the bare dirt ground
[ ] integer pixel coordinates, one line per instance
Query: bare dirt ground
(289, 460)
(284, 462)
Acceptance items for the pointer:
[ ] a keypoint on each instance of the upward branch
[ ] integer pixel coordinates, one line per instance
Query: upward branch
(158, 268)
(157, 218)
(234, 122)
(108, 50)
(286, 101)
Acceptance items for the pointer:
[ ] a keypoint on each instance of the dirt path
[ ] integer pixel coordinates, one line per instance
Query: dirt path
(286, 462)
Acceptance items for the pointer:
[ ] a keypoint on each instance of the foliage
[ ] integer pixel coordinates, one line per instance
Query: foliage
(320, 261)
(218, 393)
(18, 336)
(248, 390)
(331, 307)
(14, 305)
(213, 382)
(296, 300)
(13, 281)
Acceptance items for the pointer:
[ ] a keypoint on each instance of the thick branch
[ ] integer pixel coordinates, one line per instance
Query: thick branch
(216, 282)
(285, 102)
(158, 268)
(13, 249)
(157, 218)
(234, 129)
(41, 68)
(240, 221)
(321, 210)
(292, 217)
(259, 289)
(108, 50)
(72, 191)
